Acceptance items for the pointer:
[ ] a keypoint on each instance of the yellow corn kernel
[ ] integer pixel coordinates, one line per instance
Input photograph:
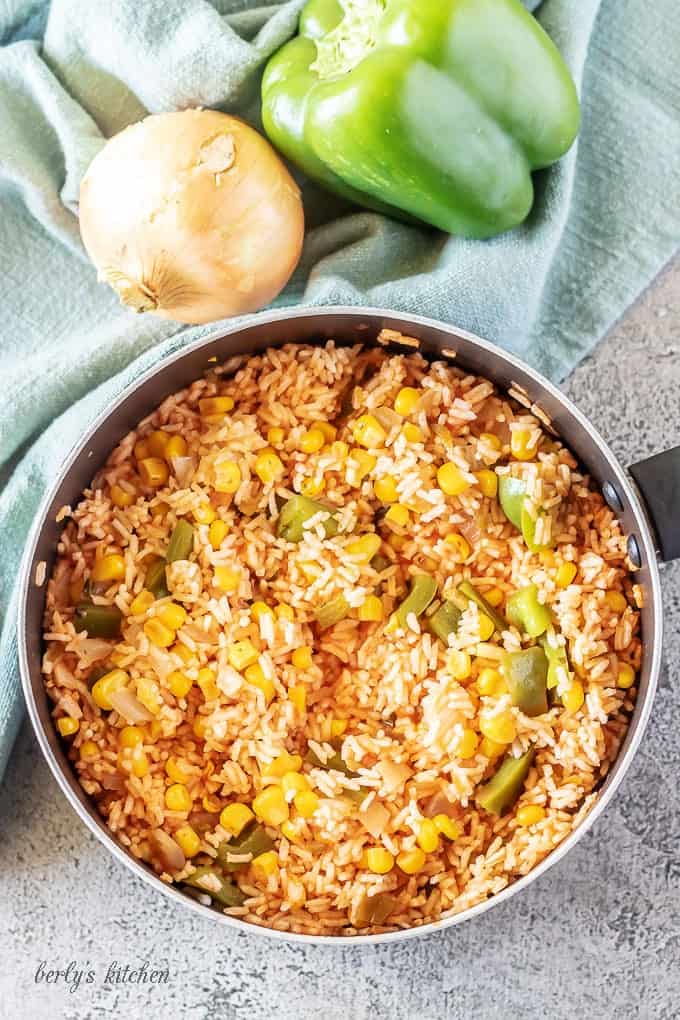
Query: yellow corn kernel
(131, 736)
(149, 694)
(207, 682)
(616, 601)
(573, 698)
(284, 612)
(260, 609)
(189, 841)
(338, 727)
(396, 542)
(177, 798)
(200, 727)
(142, 602)
(499, 727)
(255, 676)
(306, 803)
(494, 596)
(153, 471)
(217, 532)
(226, 578)
(412, 433)
(302, 657)
(235, 817)
(447, 827)
(398, 514)
(312, 487)
(626, 676)
(428, 836)
(459, 546)
(486, 627)
(329, 431)
(450, 479)
(298, 695)
(204, 514)
(467, 745)
(406, 401)
(227, 476)
(141, 449)
(311, 441)
(293, 783)
(88, 749)
(385, 489)
(371, 610)
(157, 442)
(491, 748)
(270, 806)
(67, 726)
(172, 615)
(459, 664)
(109, 568)
(529, 814)
(289, 830)
(268, 467)
(106, 685)
(153, 731)
(490, 683)
(242, 654)
(368, 431)
(340, 450)
(522, 444)
(275, 435)
(159, 509)
(122, 497)
(184, 653)
(211, 804)
(364, 463)
(488, 483)
(265, 864)
(139, 762)
(178, 770)
(491, 440)
(215, 407)
(378, 860)
(565, 574)
(547, 557)
(411, 861)
(285, 762)
(364, 548)
(176, 446)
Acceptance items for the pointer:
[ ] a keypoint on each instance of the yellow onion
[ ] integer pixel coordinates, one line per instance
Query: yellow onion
(191, 216)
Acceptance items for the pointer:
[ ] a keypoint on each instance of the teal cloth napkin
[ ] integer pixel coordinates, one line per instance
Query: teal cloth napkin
(72, 73)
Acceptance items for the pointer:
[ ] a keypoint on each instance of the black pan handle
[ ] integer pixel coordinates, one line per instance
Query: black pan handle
(658, 479)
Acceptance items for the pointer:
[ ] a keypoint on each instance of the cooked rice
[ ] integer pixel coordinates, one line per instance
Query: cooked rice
(395, 690)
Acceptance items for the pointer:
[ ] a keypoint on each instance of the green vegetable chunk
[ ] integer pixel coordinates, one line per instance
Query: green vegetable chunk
(380, 563)
(336, 761)
(98, 621)
(558, 660)
(332, 612)
(526, 613)
(529, 533)
(155, 580)
(526, 674)
(374, 909)
(423, 590)
(511, 493)
(503, 789)
(181, 542)
(296, 512)
(253, 840)
(228, 894)
(444, 621)
(467, 590)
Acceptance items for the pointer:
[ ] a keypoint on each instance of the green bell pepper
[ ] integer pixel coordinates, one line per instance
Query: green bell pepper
(438, 108)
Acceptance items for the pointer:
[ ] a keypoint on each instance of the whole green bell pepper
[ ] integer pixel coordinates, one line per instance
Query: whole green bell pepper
(440, 109)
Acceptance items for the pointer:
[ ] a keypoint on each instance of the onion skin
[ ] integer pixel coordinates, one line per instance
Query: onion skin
(192, 216)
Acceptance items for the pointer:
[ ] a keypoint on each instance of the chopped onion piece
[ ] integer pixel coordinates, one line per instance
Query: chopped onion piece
(374, 818)
(129, 706)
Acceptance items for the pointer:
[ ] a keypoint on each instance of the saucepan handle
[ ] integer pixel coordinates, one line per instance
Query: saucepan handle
(658, 479)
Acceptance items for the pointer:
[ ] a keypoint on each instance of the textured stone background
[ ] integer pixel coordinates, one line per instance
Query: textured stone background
(598, 938)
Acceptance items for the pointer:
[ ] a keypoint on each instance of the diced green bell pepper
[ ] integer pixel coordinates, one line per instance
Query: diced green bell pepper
(444, 620)
(438, 108)
(557, 660)
(296, 512)
(526, 674)
(423, 590)
(504, 788)
(468, 591)
(526, 613)
(511, 494)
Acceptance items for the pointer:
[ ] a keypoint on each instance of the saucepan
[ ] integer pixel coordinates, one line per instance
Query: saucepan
(646, 498)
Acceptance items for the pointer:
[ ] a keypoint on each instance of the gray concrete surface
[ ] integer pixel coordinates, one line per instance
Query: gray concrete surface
(598, 938)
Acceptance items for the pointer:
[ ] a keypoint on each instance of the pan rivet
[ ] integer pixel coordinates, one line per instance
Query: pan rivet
(612, 498)
(634, 551)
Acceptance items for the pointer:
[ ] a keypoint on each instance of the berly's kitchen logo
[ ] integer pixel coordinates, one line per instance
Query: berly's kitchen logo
(74, 974)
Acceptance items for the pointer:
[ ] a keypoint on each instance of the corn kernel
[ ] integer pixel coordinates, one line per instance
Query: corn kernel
(428, 836)
(459, 664)
(626, 676)
(226, 578)
(102, 690)
(215, 407)
(122, 497)
(411, 861)
(547, 557)
(270, 806)
(447, 827)
(488, 483)
(490, 683)
(371, 610)
(235, 817)
(412, 433)
(207, 682)
(293, 783)
(284, 612)
(227, 476)
(255, 676)
(459, 546)
(302, 657)
(499, 727)
(153, 731)
(616, 601)
(285, 762)
(177, 798)
(217, 532)
(109, 568)
(176, 446)
(88, 749)
(491, 440)
(204, 514)
(486, 627)
(153, 472)
(311, 441)
(565, 574)
(172, 615)
(491, 748)
(385, 489)
(268, 467)
(450, 479)
(67, 726)
(242, 654)
(338, 727)
(312, 487)
(131, 736)
(188, 840)
(396, 542)
(398, 514)
(298, 695)
(406, 401)
(139, 761)
(340, 450)
(368, 431)
(378, 860)
(529, 814)
(178, 770)
(289, 830)
(149, 694)
(211, 804)
(306, 803)
(141, 449)
(265, 864)
(142, 602)
(329, 431)
(159, 509)
(363, 463)
(275, 435)
(200, 727)
(573, 698)
(523, 445)
(260, 609)
(157, 442)
(364, 549)
(494, 596)
(184, 653)
(467, 745)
